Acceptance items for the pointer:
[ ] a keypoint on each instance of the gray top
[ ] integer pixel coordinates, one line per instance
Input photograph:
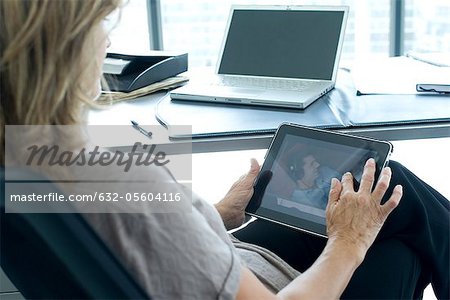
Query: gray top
(186, 255)
(174, 255)
(270, 269)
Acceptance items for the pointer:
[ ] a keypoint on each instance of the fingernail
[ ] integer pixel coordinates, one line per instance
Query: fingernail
(346, 174)
(388, 170)
(333, 182)
(370, 161)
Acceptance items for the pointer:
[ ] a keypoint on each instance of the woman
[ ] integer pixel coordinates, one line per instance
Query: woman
(51, 57)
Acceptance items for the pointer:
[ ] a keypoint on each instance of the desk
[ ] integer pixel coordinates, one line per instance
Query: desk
(342, 102)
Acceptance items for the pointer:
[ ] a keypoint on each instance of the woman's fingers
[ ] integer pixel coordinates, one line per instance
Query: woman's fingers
(347, 182)
(368, 176)
(335, 191)
(382, 184)
(358, 215)
(247, 180)
(254, 171)
(393, 201)
(254, 166)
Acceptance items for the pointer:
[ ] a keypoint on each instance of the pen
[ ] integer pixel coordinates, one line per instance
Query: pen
(140, 129)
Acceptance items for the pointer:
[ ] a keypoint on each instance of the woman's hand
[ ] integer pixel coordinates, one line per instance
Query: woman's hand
(231, 208)
(355, 218)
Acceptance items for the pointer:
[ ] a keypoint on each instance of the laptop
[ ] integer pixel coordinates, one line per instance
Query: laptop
(282, 56)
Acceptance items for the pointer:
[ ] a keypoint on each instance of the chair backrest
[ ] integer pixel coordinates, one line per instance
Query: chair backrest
(59, 256)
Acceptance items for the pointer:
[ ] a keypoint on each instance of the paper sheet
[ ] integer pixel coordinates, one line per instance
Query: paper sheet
(396, 75)
(169, 83)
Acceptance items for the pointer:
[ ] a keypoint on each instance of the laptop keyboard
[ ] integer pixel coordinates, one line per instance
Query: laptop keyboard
(265, 83)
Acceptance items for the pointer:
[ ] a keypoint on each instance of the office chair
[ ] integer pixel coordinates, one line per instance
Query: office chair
(59, 256)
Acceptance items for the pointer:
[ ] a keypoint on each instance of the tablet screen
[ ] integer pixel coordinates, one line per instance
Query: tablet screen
(294, 182)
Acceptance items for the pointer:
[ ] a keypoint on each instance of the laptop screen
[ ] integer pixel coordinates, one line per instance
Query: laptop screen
(282, 43)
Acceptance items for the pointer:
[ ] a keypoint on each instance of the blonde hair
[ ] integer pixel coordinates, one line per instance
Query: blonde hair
(44, 58)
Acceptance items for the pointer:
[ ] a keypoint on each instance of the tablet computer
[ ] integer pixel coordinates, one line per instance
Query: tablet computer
(293, 185)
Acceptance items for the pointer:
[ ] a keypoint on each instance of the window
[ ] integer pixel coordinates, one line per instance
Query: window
(130, 35)
(427, 26)
(198, 26)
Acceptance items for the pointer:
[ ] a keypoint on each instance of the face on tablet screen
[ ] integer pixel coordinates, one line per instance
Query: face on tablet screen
(295, 178)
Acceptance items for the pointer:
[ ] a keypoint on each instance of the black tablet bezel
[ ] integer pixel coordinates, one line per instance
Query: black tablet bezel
(310, 223)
